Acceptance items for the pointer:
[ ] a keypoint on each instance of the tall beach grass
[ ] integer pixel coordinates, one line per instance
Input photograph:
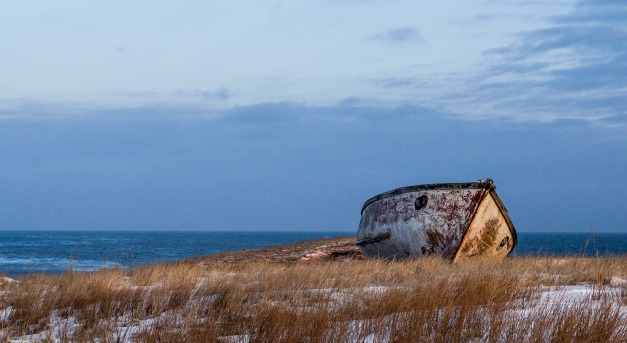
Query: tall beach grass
(425, 300)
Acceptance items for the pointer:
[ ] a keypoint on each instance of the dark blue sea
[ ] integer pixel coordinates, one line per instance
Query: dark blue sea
(23, 252)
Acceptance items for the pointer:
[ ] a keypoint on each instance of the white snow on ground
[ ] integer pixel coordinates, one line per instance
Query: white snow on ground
(576, 294)
(7, 280)
(60, 328)
(235, 339)
(617, 281)
(6, 313)
(314, 255)
(123, 328)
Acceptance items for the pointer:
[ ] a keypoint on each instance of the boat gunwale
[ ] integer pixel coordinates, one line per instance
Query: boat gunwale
(433, 186)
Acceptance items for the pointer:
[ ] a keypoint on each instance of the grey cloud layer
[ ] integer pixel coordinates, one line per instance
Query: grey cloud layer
(400, 35)
(293, 167)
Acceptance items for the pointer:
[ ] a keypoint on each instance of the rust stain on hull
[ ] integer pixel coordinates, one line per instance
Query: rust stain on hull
(455, 221)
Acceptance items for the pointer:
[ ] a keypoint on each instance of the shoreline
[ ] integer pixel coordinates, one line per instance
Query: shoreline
(341, 248)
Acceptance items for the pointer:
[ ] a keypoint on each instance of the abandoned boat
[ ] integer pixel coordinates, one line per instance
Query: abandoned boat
(456, 221)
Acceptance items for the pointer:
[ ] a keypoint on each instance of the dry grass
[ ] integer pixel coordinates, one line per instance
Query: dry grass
(426, 300)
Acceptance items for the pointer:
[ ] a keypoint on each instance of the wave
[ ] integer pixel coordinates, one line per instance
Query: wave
(21, 265)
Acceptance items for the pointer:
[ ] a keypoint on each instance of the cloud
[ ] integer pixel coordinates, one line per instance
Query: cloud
(619, 119)
(597, 12)
(219, 94)
(397, 82)
(121, 49)
(352, 101)
(572, 69)
(400, 35)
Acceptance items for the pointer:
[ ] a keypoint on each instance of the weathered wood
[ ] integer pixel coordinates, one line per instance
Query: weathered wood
(453, 220)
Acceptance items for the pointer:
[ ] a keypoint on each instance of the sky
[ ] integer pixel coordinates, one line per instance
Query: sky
(288, 115)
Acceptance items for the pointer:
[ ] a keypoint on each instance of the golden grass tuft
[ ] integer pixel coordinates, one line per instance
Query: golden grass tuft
(409, 301)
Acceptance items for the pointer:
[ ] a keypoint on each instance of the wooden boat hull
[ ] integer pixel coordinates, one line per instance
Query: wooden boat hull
(453, 220)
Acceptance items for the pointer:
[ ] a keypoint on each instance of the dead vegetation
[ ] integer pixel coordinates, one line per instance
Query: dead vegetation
(426, 300)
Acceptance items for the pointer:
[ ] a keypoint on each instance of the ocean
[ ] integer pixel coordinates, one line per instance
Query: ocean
(23, 252)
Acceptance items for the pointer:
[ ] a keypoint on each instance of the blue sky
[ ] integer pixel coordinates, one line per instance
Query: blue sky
(271, 115)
